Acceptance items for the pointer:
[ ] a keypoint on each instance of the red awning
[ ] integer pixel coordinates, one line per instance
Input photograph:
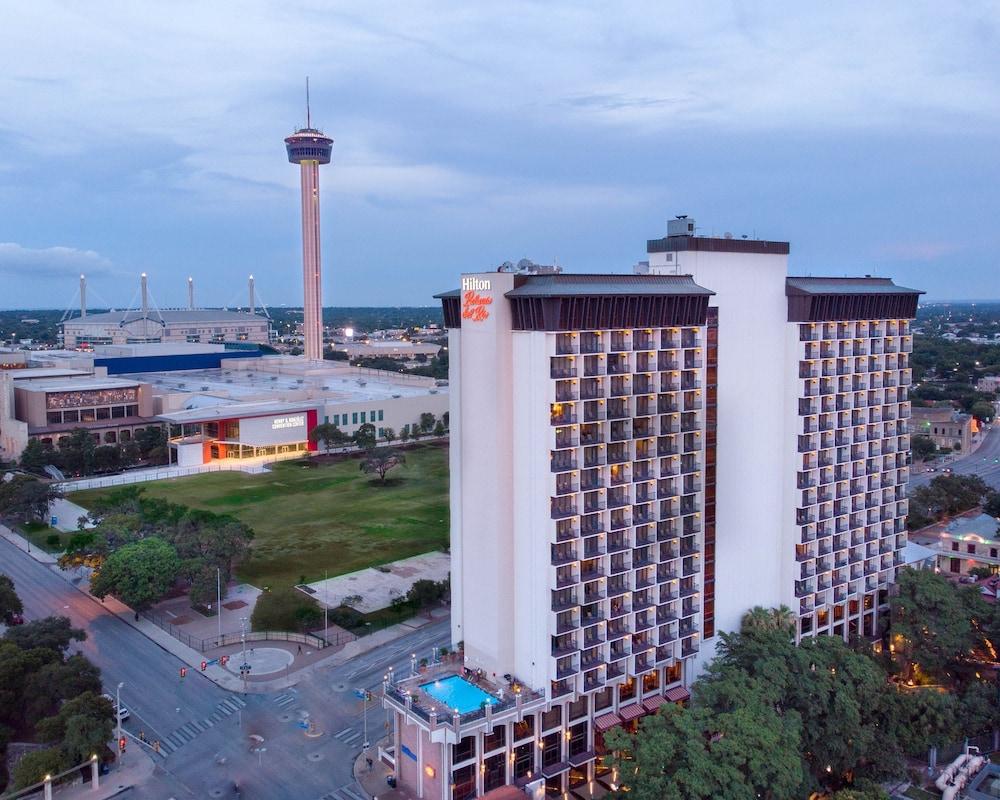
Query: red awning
(654, 702)
(632, 712)
(677, 694)
(607, 721)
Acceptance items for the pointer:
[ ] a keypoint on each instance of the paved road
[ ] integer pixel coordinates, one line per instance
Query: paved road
(200, 725)
(985, 463)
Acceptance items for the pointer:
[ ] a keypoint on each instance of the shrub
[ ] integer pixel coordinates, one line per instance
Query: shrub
(285, 610)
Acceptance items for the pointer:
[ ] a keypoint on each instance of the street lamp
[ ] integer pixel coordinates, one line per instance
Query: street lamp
(118, 719)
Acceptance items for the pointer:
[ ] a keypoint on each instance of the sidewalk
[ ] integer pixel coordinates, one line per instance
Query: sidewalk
(138, 768)
(303, 665)
(372, 781)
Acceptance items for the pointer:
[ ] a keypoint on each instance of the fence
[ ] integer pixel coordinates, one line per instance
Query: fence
(317, 642)
(987, 743)
(254, 466)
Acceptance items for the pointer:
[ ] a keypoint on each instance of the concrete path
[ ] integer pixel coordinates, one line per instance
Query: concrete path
(378, 587)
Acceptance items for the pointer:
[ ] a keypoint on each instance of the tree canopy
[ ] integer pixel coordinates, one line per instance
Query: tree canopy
(138, 574)
(379, 460)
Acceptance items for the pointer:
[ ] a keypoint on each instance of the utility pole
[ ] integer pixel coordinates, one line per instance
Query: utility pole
(118, 721)
(364, 744)
(218, 591)
(243, 639)
(326, 606)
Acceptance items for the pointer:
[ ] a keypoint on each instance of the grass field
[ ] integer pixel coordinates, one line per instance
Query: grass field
(327, 517)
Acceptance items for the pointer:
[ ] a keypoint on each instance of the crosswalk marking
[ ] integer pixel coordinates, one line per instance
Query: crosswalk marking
(346, 792)
(352, 738)
(189, 730)
(343, 733)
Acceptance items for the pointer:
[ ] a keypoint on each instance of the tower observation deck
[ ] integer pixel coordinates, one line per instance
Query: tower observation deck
(309, 147)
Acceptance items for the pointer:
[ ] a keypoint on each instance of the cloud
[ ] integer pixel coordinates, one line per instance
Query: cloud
(21, 262)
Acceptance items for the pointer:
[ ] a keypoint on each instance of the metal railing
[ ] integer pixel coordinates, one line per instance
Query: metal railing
(314, 640)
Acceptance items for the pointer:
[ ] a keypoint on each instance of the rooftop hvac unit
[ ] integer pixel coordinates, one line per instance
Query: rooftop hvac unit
(682, 226)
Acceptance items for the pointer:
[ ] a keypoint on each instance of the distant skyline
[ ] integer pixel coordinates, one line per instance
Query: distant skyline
(150, 138)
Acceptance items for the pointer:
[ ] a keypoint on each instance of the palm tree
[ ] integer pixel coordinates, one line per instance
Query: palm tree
(774, 619)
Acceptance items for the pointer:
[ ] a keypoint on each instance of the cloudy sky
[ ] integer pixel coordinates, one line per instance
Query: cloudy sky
(142, 136)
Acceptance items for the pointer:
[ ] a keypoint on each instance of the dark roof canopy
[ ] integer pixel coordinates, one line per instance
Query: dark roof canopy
(825, 299)
(587, 285)
(823, 285)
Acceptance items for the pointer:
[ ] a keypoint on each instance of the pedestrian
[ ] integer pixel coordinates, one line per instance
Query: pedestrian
(156, 746)
(368, 761)
(300, 649)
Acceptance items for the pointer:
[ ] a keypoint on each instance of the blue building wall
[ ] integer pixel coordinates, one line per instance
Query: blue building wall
(173, 363)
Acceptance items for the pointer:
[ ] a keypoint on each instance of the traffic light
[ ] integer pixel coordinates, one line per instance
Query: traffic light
(184, 672)
(121, 745)
(204, 665)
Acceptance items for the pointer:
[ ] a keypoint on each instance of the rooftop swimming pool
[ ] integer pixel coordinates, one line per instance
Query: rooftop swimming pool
(457, 693)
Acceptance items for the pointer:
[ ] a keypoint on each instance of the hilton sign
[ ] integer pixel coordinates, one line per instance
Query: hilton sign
(475, 305)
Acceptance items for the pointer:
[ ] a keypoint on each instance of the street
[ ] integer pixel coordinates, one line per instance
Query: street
(985, 463)
(204, 731)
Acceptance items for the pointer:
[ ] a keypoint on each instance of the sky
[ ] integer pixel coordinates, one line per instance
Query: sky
(142, 136)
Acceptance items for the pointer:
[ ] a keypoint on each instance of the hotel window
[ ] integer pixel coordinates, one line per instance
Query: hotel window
(362, 417)
(954, 546)
(552, 749)
(464, 750)
(993, 552)
(354, 418)
(380, 413)
(552, 718)
(603, 699)
(343, 419)
(524, 728)
(524, 757)
(971, 548)
(495, 739)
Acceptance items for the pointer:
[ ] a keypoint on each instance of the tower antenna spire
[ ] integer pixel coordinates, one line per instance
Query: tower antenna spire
(308, 115)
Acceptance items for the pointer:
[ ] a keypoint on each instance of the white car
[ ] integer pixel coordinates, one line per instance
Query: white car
(122, 710)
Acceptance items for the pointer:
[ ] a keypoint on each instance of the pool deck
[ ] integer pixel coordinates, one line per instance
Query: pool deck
(460, 694)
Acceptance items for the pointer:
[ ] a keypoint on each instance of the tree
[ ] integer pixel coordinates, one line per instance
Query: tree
(983, 410)
(10, 603)
(388, 435)
(981, 572)
(218, 541)
(745, 753)
(34, 766)
(946, 496)
(416, 431)
(364, 437)
(930, 627)
(992, 504)
(923, 719)
(153, 437)
(138, 574)
(777, 619)
(50, 633)
(329, 434)
(404, 435)
(380, 460)
(57, 681)
(107, 458)
(131, 454)
(27, 499)
(35, 457)
(86, 704)
(922, 446)
(439, 428)
(427, 421)
(204, 586)
(76, 452)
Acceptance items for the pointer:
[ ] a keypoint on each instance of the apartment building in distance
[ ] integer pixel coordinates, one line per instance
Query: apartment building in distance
(637, 460)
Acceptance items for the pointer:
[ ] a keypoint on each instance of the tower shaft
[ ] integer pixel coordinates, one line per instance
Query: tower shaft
(312, 322)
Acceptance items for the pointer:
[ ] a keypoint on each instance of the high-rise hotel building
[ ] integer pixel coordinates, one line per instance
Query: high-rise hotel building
(636, 460)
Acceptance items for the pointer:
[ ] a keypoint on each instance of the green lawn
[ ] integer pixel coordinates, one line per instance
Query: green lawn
(38, 534)
(327, 517)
